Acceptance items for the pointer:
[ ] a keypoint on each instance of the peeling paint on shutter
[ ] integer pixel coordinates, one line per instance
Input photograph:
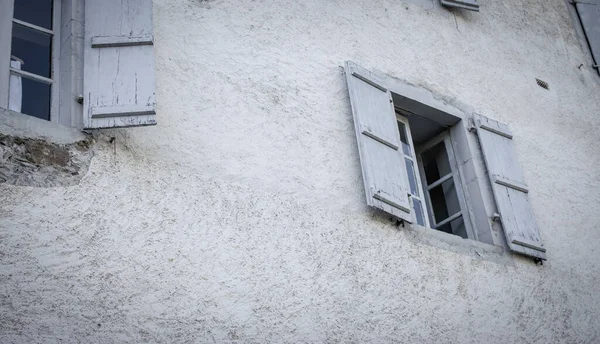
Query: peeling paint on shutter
(589, 15)
(119, 75)
(384, 176)
(510, 190)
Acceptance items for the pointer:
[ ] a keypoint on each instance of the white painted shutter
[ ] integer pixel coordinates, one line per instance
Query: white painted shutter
(510, 190)
(384, 173)
(119, 76)
(589, 15)
(472, 5)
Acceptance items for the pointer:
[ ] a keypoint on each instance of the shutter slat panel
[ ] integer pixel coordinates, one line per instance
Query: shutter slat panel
(510, 183)
(119, 75)
(121, 41)
(386, 141)
(472, 5)
(384, 172)
(589, 15)
(509, 188)
(119, 111)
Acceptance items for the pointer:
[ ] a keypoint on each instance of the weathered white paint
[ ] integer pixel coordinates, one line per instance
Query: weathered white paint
(23, 126)
(71, 63)
(383, 167)
(241, 217)
(119, 69)
(510, 191)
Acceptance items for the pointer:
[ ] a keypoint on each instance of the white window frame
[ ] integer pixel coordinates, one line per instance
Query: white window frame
(479, 207)
(53, 80)
(67, 66)
(423, 188)
(421, 196)
(482, 156)
(454, 175)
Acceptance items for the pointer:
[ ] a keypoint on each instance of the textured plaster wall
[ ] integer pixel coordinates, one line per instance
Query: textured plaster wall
(241, 216)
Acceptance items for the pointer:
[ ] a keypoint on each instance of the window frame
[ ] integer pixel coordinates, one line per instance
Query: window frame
(421, 197)
(67, 67)
(54, 79)
(477, 190)
(485, 177)
(6, 24)
(446, 139)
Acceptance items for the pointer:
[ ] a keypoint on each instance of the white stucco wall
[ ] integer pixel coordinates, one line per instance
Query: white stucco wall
(241, 217)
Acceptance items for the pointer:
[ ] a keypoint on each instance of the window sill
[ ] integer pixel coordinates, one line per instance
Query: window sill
(24, 126)
(423, 235)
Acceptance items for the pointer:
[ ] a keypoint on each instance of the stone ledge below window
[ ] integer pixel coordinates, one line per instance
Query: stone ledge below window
(453, 243)
(24, 126)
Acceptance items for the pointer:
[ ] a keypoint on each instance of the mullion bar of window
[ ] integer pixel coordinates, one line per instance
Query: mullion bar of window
(440, 181)
(31, 76)
(32, 26)
(28, 74)
(450, 219)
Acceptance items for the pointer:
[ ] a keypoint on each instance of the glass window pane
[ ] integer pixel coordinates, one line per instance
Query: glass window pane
(32, 49)
(412, 180)
(36, 12)
(456, 227)
(404, 138)
(418, 207)
(444, 201)
(436, 163)
(29, 97)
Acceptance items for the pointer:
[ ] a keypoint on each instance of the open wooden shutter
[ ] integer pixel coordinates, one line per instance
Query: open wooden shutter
(589, 15)
(466, 4)
(510, 191)
(384, 173)
(119, 76)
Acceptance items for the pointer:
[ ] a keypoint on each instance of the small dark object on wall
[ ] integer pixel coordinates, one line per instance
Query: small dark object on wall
(542, 83)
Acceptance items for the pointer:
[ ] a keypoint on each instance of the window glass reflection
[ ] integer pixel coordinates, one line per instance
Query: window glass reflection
(419, 211)
(412, 179)
(36, 12)
(32, 49)
(444, 201)
(435, 163)
(29, 97)
(404, 138)
(456, 227)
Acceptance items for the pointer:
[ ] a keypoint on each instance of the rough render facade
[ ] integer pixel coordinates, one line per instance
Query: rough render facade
(241, 216)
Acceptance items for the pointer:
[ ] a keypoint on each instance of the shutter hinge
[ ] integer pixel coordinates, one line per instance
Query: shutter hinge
(471, 126)
(496, 217)
(596, 66)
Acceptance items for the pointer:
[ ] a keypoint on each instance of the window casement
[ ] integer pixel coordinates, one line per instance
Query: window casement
(414, 178)
(100, 74)
(34, 54)
(426, 163)
(445, 199)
